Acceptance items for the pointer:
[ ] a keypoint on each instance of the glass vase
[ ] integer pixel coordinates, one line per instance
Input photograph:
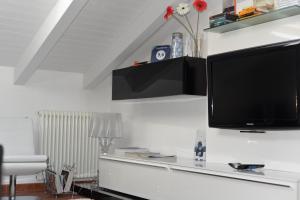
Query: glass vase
(193, 46)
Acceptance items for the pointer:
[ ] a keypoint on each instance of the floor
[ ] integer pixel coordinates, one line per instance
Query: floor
(85, 191)
(89, 190)
(46, 196)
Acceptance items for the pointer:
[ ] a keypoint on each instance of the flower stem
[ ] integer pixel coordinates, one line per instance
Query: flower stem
(188, 22)
(188, 30)
(195, 37)
(184, 26)
(197, 32)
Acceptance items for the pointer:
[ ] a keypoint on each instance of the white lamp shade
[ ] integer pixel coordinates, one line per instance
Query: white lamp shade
(106, 125)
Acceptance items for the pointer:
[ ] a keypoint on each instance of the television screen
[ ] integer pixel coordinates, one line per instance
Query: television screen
(255, 88)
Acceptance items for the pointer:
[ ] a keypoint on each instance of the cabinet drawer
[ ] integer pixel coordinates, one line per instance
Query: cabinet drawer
(211, 187)
(146, 181)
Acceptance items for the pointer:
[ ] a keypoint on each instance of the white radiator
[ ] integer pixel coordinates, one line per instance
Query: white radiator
(63, 136)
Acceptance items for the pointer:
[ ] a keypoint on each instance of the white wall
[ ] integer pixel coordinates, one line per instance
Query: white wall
(166, 126)
(171, 126)
(48, 90)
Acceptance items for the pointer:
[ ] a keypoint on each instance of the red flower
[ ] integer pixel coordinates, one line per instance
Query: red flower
(200, 5)
(169, 12)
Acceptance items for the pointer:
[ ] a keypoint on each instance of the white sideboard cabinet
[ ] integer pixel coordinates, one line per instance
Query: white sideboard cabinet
(182, 179)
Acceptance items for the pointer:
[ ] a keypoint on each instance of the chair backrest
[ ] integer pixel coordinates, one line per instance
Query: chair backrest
(16, 136)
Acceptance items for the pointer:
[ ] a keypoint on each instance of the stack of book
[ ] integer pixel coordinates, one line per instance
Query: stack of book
(138, 152)
(123, 151)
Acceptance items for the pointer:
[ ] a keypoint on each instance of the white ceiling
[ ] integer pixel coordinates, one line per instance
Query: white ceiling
(19, 21)
(93, 34)
(83, 36)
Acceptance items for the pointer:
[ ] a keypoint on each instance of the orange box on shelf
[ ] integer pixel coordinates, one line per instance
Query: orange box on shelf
(247, 12)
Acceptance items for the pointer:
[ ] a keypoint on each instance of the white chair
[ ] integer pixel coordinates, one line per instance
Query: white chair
(16, 136)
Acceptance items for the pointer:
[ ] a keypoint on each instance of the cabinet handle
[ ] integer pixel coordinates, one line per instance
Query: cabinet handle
(136, 162)
(234, 178)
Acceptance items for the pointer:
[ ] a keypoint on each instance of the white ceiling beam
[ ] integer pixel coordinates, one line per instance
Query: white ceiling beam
(55, 25)
(145, 26)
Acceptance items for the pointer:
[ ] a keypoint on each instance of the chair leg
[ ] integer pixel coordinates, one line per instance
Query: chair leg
(12, 187)
(12, 191)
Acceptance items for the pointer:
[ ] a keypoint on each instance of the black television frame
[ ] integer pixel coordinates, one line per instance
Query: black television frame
(252, 51)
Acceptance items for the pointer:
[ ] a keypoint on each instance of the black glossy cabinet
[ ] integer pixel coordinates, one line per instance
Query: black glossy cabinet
(179, 76)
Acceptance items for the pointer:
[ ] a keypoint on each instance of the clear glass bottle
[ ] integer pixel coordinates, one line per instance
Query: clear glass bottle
(177, 45)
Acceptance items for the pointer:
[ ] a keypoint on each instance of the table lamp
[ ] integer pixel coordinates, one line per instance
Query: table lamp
(106, 127)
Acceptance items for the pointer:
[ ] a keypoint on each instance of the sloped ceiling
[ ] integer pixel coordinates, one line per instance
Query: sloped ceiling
(92, 34)
(19, 21)
(84, 36)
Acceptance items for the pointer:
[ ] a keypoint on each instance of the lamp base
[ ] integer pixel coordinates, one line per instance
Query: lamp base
(105, 144)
